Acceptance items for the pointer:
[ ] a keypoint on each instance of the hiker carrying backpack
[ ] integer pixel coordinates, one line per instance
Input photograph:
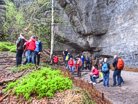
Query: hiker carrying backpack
(20, 48)
(105, 71)
(120, 64)
(105, 67)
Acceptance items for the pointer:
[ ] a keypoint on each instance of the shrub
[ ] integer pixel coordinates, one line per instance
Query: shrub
(44, 82)
(7, 46)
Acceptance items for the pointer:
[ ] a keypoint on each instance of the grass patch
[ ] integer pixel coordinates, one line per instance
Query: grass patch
(22, 67)
(41, 83)
(7, 46)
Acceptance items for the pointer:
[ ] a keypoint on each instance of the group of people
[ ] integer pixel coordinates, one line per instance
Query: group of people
(31, 48)
(76, 63)
(97, 70)
(104, 68)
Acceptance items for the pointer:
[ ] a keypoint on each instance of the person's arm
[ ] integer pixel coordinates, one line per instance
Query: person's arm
(114, 63)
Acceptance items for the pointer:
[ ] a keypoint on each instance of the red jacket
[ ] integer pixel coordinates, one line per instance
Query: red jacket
(71, 62)
(55, 59)
(31, 45)
(26, 45)
(95, 71)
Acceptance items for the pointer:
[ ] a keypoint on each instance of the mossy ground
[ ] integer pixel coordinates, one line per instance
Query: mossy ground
(7, 46)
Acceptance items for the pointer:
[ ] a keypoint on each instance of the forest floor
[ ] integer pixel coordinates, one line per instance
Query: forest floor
(126, 94)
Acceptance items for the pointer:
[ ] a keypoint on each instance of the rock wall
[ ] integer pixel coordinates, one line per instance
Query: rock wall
(109, 24)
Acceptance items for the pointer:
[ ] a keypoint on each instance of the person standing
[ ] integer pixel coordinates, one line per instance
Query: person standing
(37, 51)
(82, 59)
(65, 53)
(71, 65)
(31, 47)
(79, 64)
(118, 65)
(19, 49)
(105, 70)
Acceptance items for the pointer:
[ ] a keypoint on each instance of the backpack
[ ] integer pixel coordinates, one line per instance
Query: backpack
(105, 67)
(67, 58)
(20, 44)
(120, 64)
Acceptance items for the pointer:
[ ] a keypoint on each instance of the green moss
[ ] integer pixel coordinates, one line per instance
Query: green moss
(44, 82)
(7, 46)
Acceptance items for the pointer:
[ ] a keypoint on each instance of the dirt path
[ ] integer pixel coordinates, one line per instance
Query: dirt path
(127, 94)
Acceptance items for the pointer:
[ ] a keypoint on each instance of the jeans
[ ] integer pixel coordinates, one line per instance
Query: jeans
(117, 74)
(19, 54)
(106, 79)
(71, 68)
(26, 55)
(93, 78)
(37, 58)
(31, 57)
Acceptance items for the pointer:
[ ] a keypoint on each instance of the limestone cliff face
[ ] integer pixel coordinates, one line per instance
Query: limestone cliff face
(109, 24)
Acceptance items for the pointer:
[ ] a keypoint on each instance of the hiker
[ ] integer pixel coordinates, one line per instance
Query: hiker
(79, 66)
(82, 59)
(71, 65)
(55, 59)
(19, 49)
(87, 63)
(94, 74)
(66, 60)
(118, 65)
(37, 51)
(105, 70)
(65, 53)
(31, 47)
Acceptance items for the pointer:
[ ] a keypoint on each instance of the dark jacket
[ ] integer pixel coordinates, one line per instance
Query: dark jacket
(115, 63)
(20, 43)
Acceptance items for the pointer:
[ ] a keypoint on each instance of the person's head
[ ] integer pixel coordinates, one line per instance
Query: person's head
(96, 66)
(36, 38)
(33, 37)
(105, 59)
(66, 49)
(115, 56)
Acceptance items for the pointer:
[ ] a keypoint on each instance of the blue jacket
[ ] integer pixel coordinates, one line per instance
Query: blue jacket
(38, 46)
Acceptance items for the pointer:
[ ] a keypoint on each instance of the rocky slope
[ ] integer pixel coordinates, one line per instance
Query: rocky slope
(109, 24)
